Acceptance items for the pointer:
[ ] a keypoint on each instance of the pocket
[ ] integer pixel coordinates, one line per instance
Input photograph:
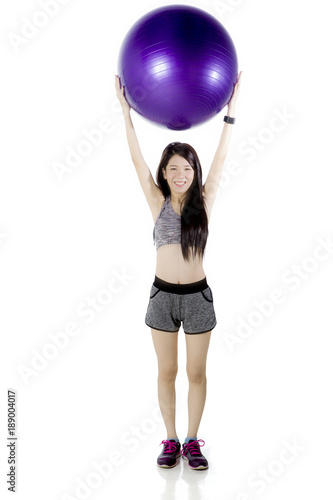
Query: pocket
(154, 291)
(207, 294)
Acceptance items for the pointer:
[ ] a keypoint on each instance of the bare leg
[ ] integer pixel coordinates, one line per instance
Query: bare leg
(197, 348)
(166, 347)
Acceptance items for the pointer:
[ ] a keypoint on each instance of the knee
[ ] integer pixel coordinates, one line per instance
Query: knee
(196, 375)
(168, 373)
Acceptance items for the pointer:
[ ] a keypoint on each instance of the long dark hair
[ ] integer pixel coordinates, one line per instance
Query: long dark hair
(194, 220)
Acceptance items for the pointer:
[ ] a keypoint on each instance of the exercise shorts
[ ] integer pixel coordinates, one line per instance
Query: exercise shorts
(172, 303)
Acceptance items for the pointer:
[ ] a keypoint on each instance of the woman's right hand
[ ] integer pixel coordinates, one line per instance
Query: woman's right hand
(120, 94)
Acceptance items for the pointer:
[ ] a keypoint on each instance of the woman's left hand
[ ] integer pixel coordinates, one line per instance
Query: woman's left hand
(233, 99)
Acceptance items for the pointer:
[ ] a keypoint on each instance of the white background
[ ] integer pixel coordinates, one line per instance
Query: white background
(62, 240)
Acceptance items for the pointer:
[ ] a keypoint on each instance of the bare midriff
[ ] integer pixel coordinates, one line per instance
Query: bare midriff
(170, 263)
(171, 266)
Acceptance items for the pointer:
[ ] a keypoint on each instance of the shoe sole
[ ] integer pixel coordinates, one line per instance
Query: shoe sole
(201, 467)
(169, 466)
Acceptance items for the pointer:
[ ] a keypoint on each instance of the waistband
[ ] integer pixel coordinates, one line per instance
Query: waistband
(182, 288)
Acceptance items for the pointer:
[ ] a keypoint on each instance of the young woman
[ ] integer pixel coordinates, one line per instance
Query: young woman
(181, 208)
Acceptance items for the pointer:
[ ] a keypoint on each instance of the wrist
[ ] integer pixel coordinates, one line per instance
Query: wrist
(231, 111)
(126, 111)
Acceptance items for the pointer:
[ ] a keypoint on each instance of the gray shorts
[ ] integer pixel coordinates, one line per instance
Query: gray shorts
(190, 303)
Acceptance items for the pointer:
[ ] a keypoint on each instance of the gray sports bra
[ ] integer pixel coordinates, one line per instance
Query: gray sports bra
(167, 229)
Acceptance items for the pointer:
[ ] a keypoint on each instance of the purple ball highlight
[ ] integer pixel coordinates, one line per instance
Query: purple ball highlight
(178, 65)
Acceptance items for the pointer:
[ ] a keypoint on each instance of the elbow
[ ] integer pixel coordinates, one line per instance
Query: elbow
(136, 161)
(221, 158)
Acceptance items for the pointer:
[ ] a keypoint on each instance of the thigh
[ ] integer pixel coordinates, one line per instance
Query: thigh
(162, 311)
(198, 312)
(196, 350)
(166, 347)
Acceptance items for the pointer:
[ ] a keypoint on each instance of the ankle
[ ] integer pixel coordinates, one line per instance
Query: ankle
(187, 439)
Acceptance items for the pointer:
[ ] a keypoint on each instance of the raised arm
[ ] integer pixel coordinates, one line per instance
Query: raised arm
(150, 188)
(213, 179)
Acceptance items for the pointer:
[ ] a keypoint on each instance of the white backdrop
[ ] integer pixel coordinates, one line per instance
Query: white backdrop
(77, 261)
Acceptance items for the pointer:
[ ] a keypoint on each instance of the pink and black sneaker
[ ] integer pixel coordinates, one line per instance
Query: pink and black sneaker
(170, 454)
(191, 452)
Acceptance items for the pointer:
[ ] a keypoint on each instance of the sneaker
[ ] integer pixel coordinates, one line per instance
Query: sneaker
(191, 452)
(171, 452)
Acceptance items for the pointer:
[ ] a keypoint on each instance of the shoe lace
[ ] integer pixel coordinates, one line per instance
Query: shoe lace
(193, 447)
(169, 446)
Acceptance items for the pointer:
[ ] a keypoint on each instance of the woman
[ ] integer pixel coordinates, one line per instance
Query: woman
(181, 208)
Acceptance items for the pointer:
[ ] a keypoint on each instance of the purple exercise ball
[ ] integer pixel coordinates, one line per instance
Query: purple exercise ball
(178, 65)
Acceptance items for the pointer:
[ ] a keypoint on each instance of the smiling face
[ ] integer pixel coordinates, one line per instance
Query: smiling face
(179, 174)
